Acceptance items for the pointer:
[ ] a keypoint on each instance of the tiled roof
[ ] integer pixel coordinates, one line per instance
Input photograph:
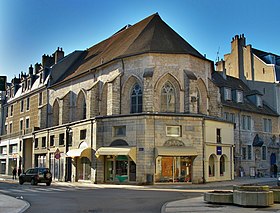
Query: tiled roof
(237, 84)
(151, 35)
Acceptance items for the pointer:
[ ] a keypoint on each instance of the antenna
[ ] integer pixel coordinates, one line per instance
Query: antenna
(217, 57)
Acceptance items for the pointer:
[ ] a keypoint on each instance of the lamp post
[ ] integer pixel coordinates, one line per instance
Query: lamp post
(68, 166)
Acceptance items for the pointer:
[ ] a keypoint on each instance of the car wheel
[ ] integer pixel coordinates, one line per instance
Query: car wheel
(48, 183)
(21, 182)
(47, 175)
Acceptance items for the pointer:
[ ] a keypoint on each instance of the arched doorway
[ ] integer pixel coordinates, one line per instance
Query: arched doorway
(272, 159)
(211, 170)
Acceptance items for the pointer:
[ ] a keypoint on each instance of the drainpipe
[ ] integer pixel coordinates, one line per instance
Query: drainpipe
(203, 150)
(92, 158)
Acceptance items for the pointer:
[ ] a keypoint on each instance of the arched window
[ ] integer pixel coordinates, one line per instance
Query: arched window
(211, 166)
(84, 109)
(55, 115)
(167, 98)
(222, 165)
(81, 107)
(198, 100)
(136, 99)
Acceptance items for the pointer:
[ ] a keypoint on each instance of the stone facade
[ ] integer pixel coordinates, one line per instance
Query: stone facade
(258, 71)
(139, 117)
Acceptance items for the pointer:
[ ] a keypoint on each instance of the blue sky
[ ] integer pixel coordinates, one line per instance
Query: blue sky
(31, 28)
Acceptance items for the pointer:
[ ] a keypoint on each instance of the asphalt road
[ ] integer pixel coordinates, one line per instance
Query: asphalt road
(70, 199)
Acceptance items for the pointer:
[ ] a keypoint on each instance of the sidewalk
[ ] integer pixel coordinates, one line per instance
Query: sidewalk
(10, 204)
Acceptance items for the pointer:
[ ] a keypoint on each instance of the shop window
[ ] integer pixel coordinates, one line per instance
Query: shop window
(136, 99)
(61, 139)
(168, 98)
(174, 131)
(173, 169)
(83, 134)
(119, 131)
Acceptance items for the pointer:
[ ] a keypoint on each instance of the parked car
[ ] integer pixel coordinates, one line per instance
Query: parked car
(36, 175)
(278, 179)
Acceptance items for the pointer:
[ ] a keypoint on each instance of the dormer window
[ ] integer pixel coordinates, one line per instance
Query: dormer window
(41, 77)
(259, 101)
(23, 86)
(29, 84)
(12, 92)
(239, 96)
(227, 94)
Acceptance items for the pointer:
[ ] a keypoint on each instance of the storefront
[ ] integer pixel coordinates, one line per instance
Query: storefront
(119, 163)
(81, 159)
(174, 164)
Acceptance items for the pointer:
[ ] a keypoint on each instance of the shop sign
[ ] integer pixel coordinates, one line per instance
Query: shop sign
(219, 150)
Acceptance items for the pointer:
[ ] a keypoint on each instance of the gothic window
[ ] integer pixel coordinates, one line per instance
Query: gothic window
(81, 107)
(84, 110)
(136, 99)
(55, 115)
(168, 98)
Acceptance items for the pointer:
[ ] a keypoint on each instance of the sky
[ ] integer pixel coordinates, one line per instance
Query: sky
(31, 28)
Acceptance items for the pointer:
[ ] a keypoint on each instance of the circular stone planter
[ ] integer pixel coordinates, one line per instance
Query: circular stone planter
(221, 197)
(253, 196)
(276, 193)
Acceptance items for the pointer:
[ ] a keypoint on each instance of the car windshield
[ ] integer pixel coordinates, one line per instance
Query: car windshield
(43, 170)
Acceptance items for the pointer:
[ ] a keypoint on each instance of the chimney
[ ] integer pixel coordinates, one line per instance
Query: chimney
(59, 54)
(221, 67)
(31, 70)
(47, 61)
(37, 67)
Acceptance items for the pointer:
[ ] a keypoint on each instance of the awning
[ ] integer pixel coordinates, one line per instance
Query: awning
(130, 151)
(83, 152)
(175, 151)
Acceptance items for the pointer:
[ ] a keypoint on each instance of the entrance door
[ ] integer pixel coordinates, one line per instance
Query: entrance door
(132, 171)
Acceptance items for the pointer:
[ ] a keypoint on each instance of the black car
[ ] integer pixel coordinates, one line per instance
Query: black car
(36, 175)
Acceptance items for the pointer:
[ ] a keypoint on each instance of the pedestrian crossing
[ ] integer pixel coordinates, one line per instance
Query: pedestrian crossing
(38, 189)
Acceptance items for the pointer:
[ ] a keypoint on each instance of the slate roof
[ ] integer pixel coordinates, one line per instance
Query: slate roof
(261, 54)
(237, 84)
(151, 35)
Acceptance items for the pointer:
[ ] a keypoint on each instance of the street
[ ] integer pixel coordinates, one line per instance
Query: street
(94, 199)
